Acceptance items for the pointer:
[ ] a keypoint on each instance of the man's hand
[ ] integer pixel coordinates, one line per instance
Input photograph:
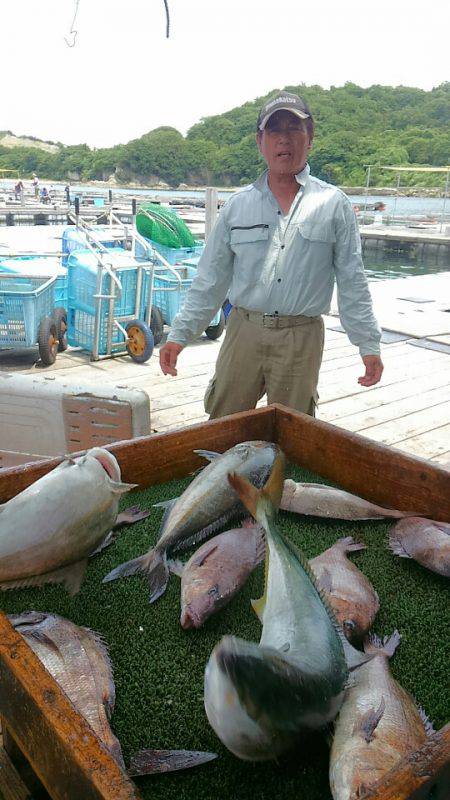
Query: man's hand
(374, 370)
(168, 356)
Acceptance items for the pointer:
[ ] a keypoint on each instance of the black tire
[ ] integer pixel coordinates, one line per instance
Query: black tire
(214, 331)
(60, 315)
(157, 324)
(140, 344)
(48, 341)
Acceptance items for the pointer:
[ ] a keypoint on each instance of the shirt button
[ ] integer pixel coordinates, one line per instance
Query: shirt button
(278, 212)
(279, 280)
(283, 246)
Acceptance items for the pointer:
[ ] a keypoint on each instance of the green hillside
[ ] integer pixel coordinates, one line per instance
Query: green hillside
(354, 126)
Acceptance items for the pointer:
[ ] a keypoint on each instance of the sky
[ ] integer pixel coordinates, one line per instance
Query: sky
(124, 78)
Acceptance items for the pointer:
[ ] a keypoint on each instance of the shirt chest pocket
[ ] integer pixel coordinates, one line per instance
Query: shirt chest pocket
(249, 245)
(317, 233)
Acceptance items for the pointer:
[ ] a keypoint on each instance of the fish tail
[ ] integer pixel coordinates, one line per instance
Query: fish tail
(251, 497)
(348, 545)
(148, 762)
(396, 546)
(153, 564)
(387, 647)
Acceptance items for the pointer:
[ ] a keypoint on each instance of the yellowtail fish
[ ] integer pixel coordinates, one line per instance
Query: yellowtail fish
(259, 698)
(208, 503)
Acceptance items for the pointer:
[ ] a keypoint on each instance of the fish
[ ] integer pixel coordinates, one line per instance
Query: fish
(424, 540)
(216, 572)
(260, 697)
(379, 723)
(48, 531)
(318, 500)
(207, 504)
(352, 597)
(77, 658)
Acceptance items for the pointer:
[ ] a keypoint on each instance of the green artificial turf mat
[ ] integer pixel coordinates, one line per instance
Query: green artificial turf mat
(158, 667)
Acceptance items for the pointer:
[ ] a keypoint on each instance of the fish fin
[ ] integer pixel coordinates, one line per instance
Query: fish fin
(248, 522)
(68, 462)
(250, 496)
(366, 724)
(326, 581)
(148, 762)
(71, 575)
(200, 558)
(153, 564)
(39, 636)
(348, 545)
(130, 515)
(427, 724)
(109, 539)
(354, 658)
(204, 532)
(387, 646)
(210, 455)
(260, 604)
(396, 546)
(175, 566)
(260, 548)
(120, 488)
(166, 503)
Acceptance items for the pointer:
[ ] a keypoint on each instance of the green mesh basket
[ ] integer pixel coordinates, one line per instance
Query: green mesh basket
(164, 226)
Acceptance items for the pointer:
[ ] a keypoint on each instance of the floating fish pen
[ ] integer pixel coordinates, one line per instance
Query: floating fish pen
(158, 667)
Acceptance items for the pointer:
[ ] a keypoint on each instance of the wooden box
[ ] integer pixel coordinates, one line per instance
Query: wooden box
(38, 718)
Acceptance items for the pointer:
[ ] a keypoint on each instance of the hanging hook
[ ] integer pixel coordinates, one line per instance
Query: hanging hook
(73, 32)
(166, 5)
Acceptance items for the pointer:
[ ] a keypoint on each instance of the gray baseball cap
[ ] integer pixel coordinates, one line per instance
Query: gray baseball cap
(285, 101)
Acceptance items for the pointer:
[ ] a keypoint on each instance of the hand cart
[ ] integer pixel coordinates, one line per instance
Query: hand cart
(27, 315)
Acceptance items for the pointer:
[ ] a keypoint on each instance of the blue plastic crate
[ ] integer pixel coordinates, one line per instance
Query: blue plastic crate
(82, 286)
(39, 266)
(73, 239)
(23, 303)
(173, 255)
(170, 302)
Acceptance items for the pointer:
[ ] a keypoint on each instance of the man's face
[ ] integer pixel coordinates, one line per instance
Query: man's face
(284, 143)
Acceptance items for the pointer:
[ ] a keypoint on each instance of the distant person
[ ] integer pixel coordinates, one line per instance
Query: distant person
(67, 191)
(18, 190)
(35, 185)
(45, 197)
(276, 250)
(380, 206)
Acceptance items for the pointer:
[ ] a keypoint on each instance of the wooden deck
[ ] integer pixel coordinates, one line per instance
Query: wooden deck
(409, 409)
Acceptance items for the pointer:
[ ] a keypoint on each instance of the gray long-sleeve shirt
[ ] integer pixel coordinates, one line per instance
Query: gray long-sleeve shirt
(265, 261)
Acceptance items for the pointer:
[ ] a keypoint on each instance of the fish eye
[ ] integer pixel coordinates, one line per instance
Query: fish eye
(349, 624)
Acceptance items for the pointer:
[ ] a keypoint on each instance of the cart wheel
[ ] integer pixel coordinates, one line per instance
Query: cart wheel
(60, 315)
(48, 340)
(157, 324)
(140, 341)
(214, 331)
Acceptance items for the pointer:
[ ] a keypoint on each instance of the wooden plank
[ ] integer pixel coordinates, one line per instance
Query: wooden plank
(402, 428)
(397, 409)
(418, 772)
(160, 457)
(11, 785)
(380, 395)
(375, 472)
(428, 445)
(61, 747)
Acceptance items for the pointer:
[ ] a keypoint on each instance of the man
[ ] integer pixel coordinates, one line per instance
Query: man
(35, 184)
(275, 252)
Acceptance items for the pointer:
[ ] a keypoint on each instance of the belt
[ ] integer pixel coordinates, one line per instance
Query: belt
(275, 320)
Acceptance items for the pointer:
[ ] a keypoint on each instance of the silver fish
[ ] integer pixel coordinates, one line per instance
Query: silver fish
(378, 724)
(78, 660)
(258, 698)
(351, 595)
(424, 540)
(48, 531)
(318, 500)
(207, 504)
(216, 572)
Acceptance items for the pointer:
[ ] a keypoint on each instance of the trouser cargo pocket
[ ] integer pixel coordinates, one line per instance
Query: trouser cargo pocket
(208, 399)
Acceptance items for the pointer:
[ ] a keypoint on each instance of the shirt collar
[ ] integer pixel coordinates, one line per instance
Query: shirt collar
(262, 185)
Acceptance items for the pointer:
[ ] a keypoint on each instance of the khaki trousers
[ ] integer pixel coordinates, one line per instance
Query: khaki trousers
(261, 353)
